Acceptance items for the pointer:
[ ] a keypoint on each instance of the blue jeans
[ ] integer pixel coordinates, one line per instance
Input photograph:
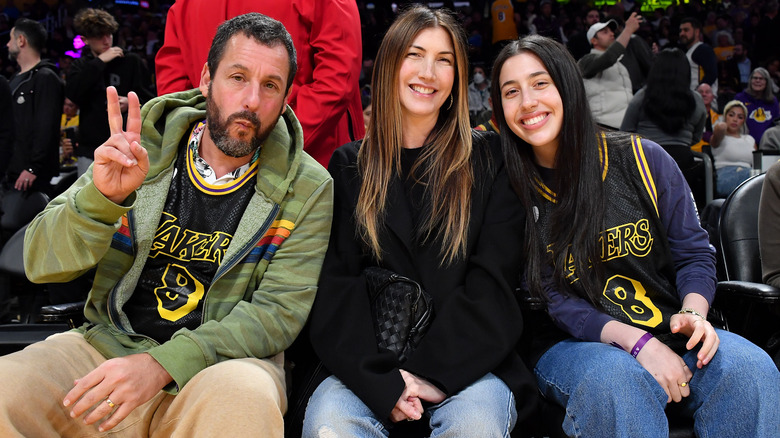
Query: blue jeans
(486, 408)
(728, 178)
(606, 392)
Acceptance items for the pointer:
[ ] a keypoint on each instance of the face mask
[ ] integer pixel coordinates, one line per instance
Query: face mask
(478, 78)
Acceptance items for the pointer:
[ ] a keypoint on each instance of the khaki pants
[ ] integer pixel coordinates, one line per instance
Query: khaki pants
(235, 398)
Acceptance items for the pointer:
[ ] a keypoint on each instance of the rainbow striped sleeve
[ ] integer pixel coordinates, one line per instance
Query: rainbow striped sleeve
(271, 241)
(122, 240)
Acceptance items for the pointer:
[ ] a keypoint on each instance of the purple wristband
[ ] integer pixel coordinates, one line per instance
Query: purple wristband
(640, 343)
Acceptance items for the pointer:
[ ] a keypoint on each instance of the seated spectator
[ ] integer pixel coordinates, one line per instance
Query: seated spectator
(761, 103)
(479, 96)
(416, 198)
(732, 148)
(724, 48)
(208, 242)
(69, 126)
(628, 288)
(607, 81)
(742, 62)
(705, 91)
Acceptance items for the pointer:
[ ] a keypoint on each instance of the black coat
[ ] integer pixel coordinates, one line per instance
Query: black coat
(37, 105)
(477, 316)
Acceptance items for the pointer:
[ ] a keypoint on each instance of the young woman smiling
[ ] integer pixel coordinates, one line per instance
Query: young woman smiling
(425, 197)
(616, 253)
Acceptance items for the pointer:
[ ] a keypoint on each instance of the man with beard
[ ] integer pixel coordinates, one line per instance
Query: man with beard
(325, 94)
(208, 225)
(701, 56)
(578, 43)
(37, 104)
(607, 81)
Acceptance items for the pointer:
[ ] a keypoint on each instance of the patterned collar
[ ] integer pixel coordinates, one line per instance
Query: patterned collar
(203, 168)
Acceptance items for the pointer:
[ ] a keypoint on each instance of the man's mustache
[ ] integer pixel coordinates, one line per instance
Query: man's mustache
(245, 115)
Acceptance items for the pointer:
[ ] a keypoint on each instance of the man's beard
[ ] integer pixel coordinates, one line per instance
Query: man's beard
(235, 147)
(12, 55)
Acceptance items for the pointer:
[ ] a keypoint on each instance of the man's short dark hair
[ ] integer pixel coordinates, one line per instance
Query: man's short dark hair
(94, 23)
(696, 24)
(33, 32)
(262, 29)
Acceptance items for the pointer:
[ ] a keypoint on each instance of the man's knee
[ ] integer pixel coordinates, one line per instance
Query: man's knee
(252, 382)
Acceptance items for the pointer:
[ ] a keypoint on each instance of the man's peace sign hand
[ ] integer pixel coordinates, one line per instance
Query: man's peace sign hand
(121, 164)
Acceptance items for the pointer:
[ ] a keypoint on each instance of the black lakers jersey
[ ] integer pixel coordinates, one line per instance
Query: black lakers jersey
(196, 227)
(639, 276)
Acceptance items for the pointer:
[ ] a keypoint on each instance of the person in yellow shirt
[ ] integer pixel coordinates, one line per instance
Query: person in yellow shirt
(69, 127)
(503, 16)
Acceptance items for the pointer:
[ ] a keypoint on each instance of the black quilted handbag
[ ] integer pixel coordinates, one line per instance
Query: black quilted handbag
(402, 310)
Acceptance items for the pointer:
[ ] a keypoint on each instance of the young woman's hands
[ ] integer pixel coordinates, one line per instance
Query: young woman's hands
(668, 369)
(699, 330)
(409, 406)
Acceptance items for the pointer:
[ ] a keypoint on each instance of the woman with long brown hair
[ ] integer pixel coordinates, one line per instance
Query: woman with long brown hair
(425, 197)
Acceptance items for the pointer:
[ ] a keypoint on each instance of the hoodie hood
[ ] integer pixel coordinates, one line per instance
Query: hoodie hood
(47, 64)
(168, 118)
(27, 76)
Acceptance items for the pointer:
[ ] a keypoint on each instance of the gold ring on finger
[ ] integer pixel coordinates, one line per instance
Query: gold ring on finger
(110, 403)
(684, 384)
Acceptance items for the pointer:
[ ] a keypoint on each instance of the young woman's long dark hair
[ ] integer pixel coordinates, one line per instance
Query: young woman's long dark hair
(669, 100)
(578, 213)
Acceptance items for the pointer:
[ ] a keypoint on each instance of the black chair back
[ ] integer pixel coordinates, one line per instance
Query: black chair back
(19, 208)
(739, 232)
(11, 256)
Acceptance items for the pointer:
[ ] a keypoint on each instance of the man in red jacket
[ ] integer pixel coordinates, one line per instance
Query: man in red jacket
(326, 34)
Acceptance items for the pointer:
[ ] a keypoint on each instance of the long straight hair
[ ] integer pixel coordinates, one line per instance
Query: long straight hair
(577, 217)
(445, 166)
